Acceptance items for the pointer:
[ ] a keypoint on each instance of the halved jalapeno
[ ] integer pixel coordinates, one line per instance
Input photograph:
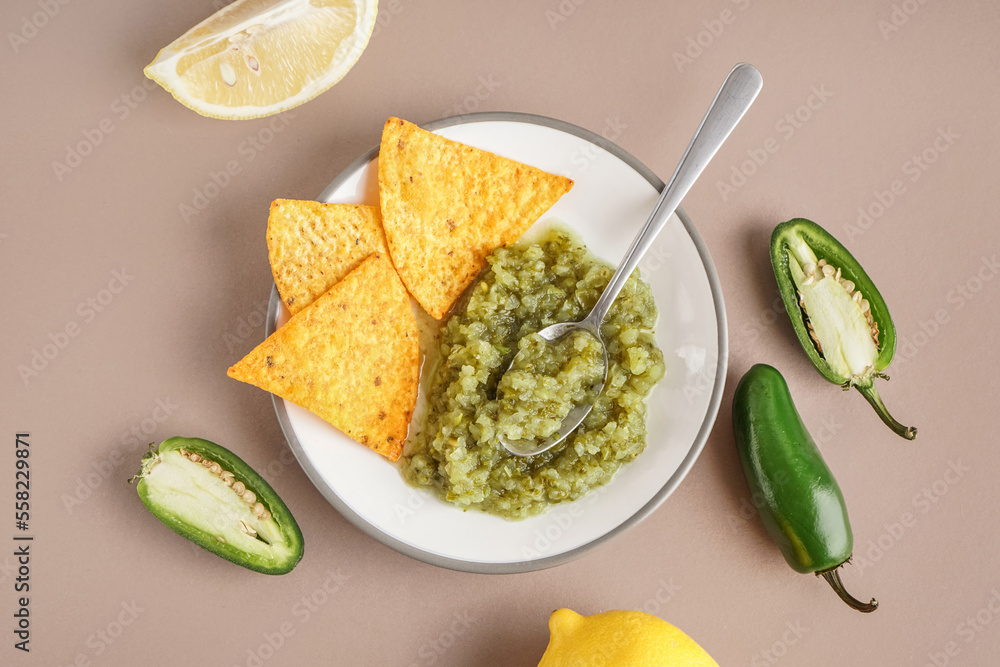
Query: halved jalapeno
(838, 315)
(209, 495)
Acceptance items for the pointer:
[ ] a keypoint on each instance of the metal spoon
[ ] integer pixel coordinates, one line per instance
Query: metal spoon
(735, 96)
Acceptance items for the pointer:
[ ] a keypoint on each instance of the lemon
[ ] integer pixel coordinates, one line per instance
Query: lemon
(619, 638)
(260, 57)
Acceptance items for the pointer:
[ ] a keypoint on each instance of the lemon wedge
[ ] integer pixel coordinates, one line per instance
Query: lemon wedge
(260, 57)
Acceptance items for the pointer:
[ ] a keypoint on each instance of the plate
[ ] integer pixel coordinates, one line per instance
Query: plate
(611, 199)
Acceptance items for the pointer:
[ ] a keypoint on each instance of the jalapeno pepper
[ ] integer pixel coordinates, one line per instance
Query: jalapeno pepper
(796, 495)
(838, 315)
(209, 495)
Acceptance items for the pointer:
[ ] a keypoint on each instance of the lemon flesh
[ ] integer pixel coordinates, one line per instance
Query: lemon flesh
(620, 638)
(260, 57)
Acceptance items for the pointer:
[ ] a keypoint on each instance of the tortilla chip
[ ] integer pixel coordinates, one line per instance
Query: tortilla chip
(352, 357)
(446, 206)
(313, 245)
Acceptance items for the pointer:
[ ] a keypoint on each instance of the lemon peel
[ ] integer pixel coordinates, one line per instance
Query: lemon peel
(620, 638)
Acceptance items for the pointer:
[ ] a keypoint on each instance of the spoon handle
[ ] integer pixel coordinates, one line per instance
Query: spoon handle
(735, 96)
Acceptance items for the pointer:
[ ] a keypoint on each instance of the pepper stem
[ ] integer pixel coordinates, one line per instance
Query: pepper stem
(149, 459)
(833, 578)
(871, 394)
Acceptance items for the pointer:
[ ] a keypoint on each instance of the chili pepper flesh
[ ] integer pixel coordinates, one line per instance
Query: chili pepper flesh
(209, 495)
(797, 497)
(837, 313)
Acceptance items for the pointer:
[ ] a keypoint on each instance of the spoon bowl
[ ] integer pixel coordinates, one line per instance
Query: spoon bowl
(579, 412)
(737, 93)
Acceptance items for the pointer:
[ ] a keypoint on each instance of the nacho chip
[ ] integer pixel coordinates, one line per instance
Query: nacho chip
(313, 245)
(352, 357)
(446, 206)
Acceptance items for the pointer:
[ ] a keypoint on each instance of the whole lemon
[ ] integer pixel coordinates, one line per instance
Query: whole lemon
(619, 639)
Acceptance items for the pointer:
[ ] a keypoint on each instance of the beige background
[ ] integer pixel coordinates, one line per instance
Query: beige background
(888, 82)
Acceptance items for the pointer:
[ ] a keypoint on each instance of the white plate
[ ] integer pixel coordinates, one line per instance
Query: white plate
(612, 197)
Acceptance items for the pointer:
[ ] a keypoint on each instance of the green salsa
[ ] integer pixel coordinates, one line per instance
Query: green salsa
(545, 381)
(456, 451)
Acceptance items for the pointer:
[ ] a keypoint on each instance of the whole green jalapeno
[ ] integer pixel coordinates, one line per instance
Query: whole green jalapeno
(796, 495)
(209, 495)
(838, 315)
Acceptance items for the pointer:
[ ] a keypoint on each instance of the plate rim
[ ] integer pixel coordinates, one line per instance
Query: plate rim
(715, 401)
